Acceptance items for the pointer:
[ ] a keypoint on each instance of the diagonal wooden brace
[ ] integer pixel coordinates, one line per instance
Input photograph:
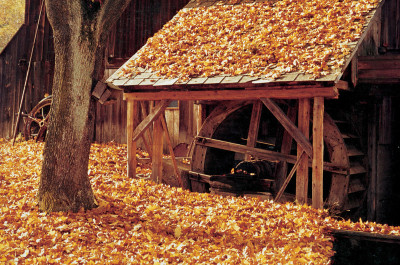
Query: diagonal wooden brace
(289, 177)
(171, 150)
(254, 126)
(289, 126)
(159, 108)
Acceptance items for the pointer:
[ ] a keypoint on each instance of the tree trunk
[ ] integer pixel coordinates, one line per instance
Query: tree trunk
(65, 184)
(80, 28)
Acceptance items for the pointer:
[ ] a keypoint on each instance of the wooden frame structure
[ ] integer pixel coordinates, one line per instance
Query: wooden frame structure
(265, 95)
(311, 94)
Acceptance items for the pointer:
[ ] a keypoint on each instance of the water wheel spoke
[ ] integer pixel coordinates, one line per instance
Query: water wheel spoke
(228, 137)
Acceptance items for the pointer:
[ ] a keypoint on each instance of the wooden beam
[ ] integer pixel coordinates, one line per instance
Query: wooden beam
(359, 235)
(146, 136)
(254, 126)
(147, 146)
(200, 176)
(302, 171)
(288, 125)
(372, 198)
(131, 145)
(201, 116)
(354, 71)
(143, 108)
(154, 114)
(99, 89)
(286, 147)
(342, 85)
(171, 150)
(238, 94)
(382, 69)
(389, 73)
(318, 153)
(385, 162)
(289, 177)
(261, 153)
(156, 174)
(391, 61)
(186, 131)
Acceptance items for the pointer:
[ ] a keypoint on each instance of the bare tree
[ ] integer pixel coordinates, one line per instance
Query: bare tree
(80, 29)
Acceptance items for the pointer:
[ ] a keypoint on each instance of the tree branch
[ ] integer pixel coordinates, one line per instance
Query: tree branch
(110, 12)
(54, 8)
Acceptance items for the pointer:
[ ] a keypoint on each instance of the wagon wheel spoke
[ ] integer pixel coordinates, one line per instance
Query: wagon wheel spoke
(33, 119)
(36, 122)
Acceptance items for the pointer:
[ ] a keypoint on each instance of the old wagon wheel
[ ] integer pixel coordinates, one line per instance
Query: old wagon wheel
(344, 189)
(37, 120)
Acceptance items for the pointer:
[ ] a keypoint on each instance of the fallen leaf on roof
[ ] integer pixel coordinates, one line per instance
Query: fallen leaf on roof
(265, 39)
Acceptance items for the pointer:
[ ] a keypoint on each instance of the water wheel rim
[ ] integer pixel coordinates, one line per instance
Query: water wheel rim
(336, 148)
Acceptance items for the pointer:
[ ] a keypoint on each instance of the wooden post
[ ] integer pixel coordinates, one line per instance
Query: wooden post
(286, 147)
(318, 153)
(147, 135)
(372, 161)
(288, 125)
(254, 126)
(289, 177)
(186, 123)
(302, 171)
(171, 150)
(153, 116)
(156, 174)
(200, 117)
(385, 163)
(131, 145)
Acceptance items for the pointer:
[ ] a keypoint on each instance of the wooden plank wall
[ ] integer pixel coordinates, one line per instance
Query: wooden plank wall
(13, 68)
(391, 24)
(139, 22)
(385, 32)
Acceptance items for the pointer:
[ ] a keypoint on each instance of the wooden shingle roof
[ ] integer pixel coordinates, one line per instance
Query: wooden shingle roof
(281, 29)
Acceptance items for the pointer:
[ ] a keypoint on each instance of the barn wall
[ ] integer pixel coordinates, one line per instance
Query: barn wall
(140, 21)
(13, 68)
(391, 25)
(383, 39)
(384, 30)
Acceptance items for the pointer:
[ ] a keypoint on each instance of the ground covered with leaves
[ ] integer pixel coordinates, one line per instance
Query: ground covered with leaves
(139, 222)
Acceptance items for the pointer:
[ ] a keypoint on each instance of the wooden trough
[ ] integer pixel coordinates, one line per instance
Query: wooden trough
(352, 247)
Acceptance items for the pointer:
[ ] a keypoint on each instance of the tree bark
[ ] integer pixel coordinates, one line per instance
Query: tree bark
(79, 38)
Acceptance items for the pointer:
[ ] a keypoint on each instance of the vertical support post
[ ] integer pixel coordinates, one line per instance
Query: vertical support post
(318, 153)
(302, 171)
(385, 162)
(286, 147)
(156, 174)
(254, 126)
(200, 117)
(131, 145)
(171, 149)
(146, 135)
(372, 161)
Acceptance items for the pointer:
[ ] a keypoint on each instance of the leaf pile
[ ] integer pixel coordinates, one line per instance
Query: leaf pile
(260, 39)
(139, 222)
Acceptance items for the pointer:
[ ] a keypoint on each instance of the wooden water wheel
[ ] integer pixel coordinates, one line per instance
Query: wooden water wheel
(222, 143)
